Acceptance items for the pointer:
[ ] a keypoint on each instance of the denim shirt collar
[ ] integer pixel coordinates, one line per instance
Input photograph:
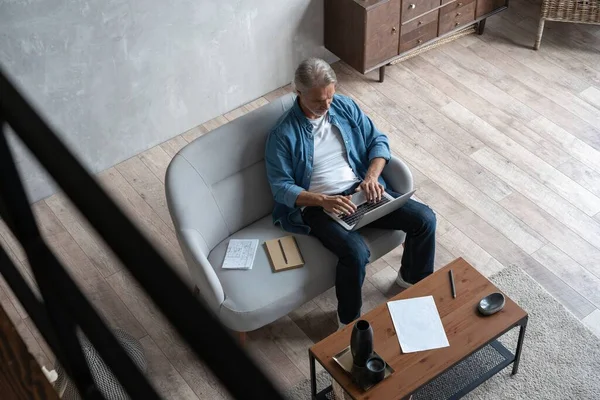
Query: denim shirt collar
(304, 121)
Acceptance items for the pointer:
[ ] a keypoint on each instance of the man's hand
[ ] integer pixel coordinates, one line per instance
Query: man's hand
(372, 188)
(338, 204)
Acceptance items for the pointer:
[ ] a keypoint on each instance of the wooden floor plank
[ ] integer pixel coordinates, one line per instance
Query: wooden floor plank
(545, 87)
(502, 248)
(371, 295)
(469, 195)
(582, 174)
(148, 221)
(147, 185)
(193, 371)
(592, 321)
(172, 147)
(549, 201)
(91, 282)
(515, 88)
(215, 123)
(441, 148)
(10, 295)
(157, 160)
(560, 54)
(576, 147)
(513, 43)
(42, 342)
(292, 341)
(592, 96)
(565, 239)
(8, 306)
(82, 232)
(385, 282)
(32, 344)
(277, 93)
(193, 134)
(272, 360)
(574, 40)
(460, 84)
(317, 325)
(438, 146)
(573, 274)
(235, 113)
(165, 379)
(525, 160)
(462, 246)
(255, 104)
(386, 107)
(9, 242)
(394, 258)
(551, 50)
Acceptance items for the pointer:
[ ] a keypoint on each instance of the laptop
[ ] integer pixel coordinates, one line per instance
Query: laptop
(368, 212)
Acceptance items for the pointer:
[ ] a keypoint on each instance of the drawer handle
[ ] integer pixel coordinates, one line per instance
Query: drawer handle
(457, 24)
(412, 6)
(419, 41)
(393, 29)
(420, 23)
(459, 5)
(458, 14)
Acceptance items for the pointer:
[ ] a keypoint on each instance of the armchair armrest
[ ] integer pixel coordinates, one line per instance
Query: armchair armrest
(398, 176)
(201, 269)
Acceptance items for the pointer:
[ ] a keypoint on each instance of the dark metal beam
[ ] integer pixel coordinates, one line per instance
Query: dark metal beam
(67, 307)
(198, 326)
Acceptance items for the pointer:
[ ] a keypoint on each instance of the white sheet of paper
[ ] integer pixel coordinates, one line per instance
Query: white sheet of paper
(418, 324)
(240, 254)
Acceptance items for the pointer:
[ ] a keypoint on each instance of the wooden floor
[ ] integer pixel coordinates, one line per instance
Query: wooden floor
(504, 144)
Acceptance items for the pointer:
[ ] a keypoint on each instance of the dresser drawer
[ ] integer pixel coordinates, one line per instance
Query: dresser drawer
(420, 22)
(420, 35)
(487, 6)
(455, 5)
(456, 18)
(413, 8)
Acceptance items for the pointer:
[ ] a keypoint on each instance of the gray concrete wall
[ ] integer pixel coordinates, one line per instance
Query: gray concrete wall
(116, 77)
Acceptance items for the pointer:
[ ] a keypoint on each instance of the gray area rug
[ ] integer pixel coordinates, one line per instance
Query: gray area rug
(560, 359)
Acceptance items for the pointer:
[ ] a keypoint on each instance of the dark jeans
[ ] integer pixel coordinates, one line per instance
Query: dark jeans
(416, 219)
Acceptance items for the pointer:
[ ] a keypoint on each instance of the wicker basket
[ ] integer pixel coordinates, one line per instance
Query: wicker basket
(579, 11)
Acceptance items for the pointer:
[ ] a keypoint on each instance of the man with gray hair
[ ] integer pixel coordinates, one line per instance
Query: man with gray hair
(319, 153)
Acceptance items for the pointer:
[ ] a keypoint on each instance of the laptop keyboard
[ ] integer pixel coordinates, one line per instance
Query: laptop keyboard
(362, 210)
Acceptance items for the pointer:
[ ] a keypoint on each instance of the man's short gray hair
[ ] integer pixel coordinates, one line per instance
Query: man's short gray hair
(313, 72)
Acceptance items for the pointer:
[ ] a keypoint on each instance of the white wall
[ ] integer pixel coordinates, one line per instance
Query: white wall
(116, 77)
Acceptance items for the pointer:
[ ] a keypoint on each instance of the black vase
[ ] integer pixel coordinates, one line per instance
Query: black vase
(361, 343)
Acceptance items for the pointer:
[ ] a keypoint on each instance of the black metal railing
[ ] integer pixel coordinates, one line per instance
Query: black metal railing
(63, 308)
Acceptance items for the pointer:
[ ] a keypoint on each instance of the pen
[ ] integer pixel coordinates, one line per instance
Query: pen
(452, 285)
(282, 252)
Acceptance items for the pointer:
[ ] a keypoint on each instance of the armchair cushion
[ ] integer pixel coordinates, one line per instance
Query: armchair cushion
(256, 297)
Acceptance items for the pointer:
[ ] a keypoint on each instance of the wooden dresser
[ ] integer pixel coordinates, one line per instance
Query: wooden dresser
(369, 34)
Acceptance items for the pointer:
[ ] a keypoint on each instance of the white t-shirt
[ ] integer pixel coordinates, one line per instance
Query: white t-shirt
(332, 173)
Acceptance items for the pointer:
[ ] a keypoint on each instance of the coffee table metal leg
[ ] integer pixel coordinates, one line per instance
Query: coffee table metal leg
(519, 347)
(313, 377)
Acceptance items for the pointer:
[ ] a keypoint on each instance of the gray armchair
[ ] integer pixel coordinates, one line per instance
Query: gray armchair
(217, 190)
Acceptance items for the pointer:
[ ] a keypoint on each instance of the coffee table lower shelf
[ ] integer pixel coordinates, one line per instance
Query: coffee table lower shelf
(461, 378)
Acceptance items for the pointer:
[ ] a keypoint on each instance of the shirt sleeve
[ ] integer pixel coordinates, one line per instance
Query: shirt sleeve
(376, 141)
(280, 171)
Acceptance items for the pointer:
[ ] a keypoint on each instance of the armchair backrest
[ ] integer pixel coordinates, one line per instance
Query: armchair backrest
(217, 184)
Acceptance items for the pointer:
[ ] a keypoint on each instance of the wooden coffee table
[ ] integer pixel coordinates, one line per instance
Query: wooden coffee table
(467, 332)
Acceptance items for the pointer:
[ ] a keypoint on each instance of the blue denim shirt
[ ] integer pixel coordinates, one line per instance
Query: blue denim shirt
(290, 149)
